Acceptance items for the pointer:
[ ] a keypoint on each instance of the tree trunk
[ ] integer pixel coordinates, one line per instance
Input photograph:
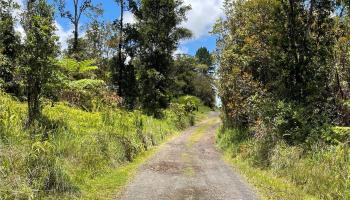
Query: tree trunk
(120, 56)
(76, 27)
(34, 87)
(339, 88)
(296, 90)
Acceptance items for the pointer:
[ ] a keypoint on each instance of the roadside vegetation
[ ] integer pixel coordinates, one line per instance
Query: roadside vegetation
(284, 84)
(76, 123)
(83, 147)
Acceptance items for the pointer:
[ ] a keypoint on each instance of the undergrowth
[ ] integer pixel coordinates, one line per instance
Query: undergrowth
(69, 148)
(282, 171)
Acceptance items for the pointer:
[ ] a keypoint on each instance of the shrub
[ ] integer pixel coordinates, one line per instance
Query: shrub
(191, 103)
(178, 115)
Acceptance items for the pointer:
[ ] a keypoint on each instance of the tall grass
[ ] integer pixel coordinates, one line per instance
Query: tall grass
(69, 146)
(322, 171)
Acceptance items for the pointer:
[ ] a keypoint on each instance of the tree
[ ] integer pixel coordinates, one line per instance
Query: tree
(98, 34)
(281, 51)
(123, 74)
(158, 24)
(190, 79)
(184, 72)
(80, 7)
(9, 46)
(206, 59)
(41, 51)
(99, 40)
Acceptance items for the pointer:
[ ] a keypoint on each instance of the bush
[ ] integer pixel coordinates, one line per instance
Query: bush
(191, 103)
(178, 115)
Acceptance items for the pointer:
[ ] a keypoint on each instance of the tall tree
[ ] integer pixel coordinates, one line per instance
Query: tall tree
(123, 37)
(98, 35)
(158, 24)
(120, 46)
(9, 44)
(41, 50)
(80, 7)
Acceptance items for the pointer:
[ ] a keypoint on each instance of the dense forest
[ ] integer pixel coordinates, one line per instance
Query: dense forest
(285, 89)
(69, 115)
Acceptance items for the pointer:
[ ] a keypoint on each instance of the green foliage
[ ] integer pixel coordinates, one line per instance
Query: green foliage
(41, 50)
(321, 172)
(204, 58)
(74, 14)
(44, 170)
(263, 82)
(282, 88)
(10, 48)
(86, 84)
(78, 68)
(156, 52)
(191, 102)
(80, 147)
(191, 78)
(338, 135)
(79, 86)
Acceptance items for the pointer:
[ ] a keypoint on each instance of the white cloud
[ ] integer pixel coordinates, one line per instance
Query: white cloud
(19, 29)
(60, 32)
(129, 18)
(181, 50)
(63, 35)
(17, 14)
(203, 15)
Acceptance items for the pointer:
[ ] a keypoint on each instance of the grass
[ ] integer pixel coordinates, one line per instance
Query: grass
(199, 133)
(282, 171)
(111, 183)
(108, 185)
(267, 184)
(89, 155)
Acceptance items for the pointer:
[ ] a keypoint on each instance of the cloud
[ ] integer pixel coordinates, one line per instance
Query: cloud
(63, 35)
(20, 30)
(201, 18)
(16, 14)
(203, 15)
(181, 50)
(129, 18)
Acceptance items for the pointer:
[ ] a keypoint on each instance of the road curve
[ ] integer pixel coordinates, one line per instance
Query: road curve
(189, 168)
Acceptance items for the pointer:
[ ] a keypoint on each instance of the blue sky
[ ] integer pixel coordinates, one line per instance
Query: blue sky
(200, 21)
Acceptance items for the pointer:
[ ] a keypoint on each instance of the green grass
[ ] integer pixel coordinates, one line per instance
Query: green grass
(202, 112)
(87, 155)
(282, 171)
(266, 183)
(108, 185)
(199, 133)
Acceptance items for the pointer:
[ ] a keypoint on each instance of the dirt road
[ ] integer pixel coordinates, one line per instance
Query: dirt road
(189, 168)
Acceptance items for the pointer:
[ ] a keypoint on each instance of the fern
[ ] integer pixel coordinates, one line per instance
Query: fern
(83, 68)
(86, 84)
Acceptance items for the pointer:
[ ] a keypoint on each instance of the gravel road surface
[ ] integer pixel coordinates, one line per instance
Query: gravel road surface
(189, 168)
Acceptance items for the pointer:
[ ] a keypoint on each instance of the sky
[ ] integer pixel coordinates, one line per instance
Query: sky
(200, 21)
